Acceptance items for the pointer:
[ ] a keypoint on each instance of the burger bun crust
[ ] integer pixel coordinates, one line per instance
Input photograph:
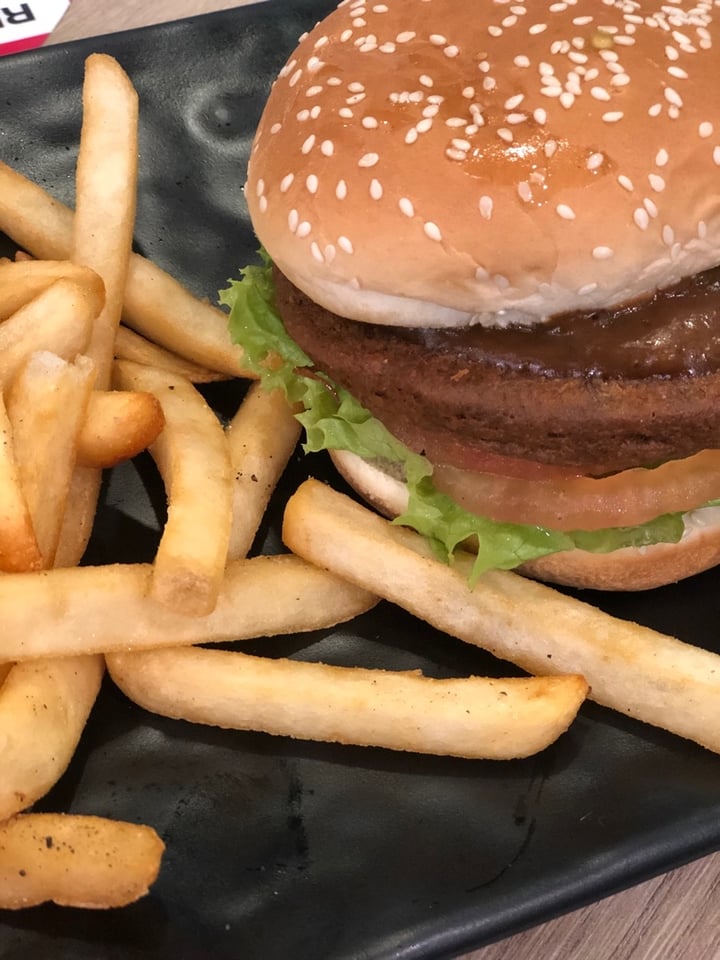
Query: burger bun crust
(421, 167)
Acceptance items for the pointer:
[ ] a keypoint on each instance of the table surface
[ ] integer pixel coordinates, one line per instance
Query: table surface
(673, 917)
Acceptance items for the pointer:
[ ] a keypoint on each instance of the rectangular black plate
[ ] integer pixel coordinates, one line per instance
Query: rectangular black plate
(282, 849)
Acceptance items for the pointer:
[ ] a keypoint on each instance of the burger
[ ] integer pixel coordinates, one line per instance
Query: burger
(490, 276)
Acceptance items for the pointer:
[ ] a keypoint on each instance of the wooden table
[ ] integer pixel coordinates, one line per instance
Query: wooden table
(673, 917)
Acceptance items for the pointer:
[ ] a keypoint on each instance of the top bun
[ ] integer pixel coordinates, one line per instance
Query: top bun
(434, 162)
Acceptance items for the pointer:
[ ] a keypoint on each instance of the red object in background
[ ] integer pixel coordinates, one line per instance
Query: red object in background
(24, 26)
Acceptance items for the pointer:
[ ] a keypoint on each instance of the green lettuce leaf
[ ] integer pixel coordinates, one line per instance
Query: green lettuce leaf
(334, 420)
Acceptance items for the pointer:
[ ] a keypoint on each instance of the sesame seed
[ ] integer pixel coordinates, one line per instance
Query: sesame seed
(302, 116)
(376, 190)
(705, 129)
(406, 36)
(327, 148)
(293, 220)
(276, 128)
(540, 115)
(603, 253)
(406, 207)
(368, 160)
(315, 112)
(304, 229)
(438, 40)
(489, 83)
(425, 80)
(655, 110)
(468, 93)
(286, 182)
(346, 113)
(594, 161)
(356, 86)
(431, 110)
(341, 190)
(316, 252)
(524, 191)
(587, 288)
(625, 182)
(612, 116)
(432, 230)
(345, 35)
(345, 245)
(521, 61)
(677, 72)
(515, 101)
(537, 28)
(451, 51)
(564, 211)
(650, 206)
(411, 136)
(599, 93)
(263, 204)
(370, 123)
(495, 31)
(313, 91)
(461, 144)
(661, 157)
(454, 154)
(455, 122)
(716, 156)
(656, 182)
(550, 148)
(641, 218)
(673, 97)
(388, 47)
(308, 144)
(486, 207)
(355, 98)
(260, 187)
(567, 99)
(668, 235)
(295, 77)
(505, 134)
(312, 183)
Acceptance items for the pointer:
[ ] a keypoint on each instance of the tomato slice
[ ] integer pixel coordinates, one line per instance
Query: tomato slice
(623, 499)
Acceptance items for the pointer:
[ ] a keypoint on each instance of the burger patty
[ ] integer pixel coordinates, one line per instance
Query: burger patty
(602, 391)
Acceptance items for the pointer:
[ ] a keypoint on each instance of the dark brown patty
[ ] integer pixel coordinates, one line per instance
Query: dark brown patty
(436, 398)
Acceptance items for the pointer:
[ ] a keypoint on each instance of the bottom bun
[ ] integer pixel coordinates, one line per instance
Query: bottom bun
(632, 568)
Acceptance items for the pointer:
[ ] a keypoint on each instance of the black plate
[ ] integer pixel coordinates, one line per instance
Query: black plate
(280, 849)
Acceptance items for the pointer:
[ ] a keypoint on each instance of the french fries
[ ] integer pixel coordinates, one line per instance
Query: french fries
(193, 457)
(262, 436)
(156, 305)
(132, 346)
(118, 425)
(469, 717)
(635, 670)
(57, 320)
(44, 705)
(23, 280)
(46, 405)
(75, 861)
(74, 610)
(18, 545)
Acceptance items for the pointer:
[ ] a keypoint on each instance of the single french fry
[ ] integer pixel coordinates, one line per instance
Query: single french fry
(132, 346)
(635, 670)
(23, 280)
(69, 611)
(156, 305)
(76, 861)
(18, 547)
(118, 425)
(106, 188)
(471, 717)
(193, 457)
(46, 405)
(44, 705)
(58, 320)
(102, 230)
(262, 436)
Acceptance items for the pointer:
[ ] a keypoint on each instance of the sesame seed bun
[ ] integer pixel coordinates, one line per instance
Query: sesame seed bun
(526, 160)
(629, 569)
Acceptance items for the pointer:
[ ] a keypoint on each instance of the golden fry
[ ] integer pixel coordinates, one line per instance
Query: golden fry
(156, 305)
(132, 346)
(19, 550)
(106, 190)
(262, 436)
(470, 717)
(44, 705)
(57, 320)
(635, 670)
(47, 406)
(23, 280)
(64, 612)
(118, 425)
(193, 457)
(75, 861)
